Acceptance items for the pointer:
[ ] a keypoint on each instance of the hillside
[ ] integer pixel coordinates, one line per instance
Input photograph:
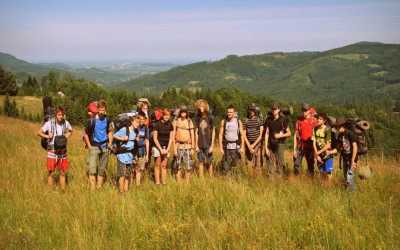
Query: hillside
(218, 213)
(107, 74)
(359, 70)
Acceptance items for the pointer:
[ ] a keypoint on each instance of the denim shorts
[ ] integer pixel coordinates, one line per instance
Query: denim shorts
(204, 156)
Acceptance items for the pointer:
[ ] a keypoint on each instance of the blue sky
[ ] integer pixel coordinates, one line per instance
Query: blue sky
(50, 30)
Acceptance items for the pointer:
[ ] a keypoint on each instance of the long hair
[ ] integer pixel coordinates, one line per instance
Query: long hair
(202, 103)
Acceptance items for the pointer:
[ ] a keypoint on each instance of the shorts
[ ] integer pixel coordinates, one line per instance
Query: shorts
(183, 160)
(327, 166)
(140, 163)
(97, 161)
(204, 156)
(124, 170)
(155, 152)
(57, 161)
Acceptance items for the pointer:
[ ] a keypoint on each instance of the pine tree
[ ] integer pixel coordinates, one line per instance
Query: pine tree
(8, 84)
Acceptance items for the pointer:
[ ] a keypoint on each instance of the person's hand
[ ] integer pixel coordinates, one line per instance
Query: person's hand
(50, 135)
(279, 135)
(125, 138)
(295, 154)
(210, 150)
(242, 150)
(268, 152)
(221, 150)
(353, 165)
(319, 159)
(146, 159)
(197, 149)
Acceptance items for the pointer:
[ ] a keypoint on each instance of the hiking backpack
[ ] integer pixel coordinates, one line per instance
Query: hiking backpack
(359, 128)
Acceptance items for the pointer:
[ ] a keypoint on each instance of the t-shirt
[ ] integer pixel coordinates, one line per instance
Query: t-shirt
(252, 127)
(275, 126)
(205, 127)
(55, 128)
(163, 132)
(322, 136)
(99, 135)
(232, 130)
(305, 128)
(184, 128)
(143, 134)
(345, 142)
(126, 158)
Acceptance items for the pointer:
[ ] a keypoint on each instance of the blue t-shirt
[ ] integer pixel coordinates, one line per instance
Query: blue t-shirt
(100, 133)
(126, 158)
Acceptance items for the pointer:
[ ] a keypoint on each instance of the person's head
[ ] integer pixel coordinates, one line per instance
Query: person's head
(60, 114)
(142, 119)
(143, 104)
(340, 124)
(135, 120)
(101, 108)
(183, 112)
(305, 108)
(202, 106)
(275, 110)
(230, 112)
(252, 111)
(166, 115)
(322, 118)
(92, 109)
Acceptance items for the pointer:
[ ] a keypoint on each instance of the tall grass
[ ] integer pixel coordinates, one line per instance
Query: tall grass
(218, 213)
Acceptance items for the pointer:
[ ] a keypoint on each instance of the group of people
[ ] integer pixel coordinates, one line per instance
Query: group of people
(166, 134)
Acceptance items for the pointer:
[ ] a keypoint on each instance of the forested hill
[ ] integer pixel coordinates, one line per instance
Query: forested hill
(359, 70)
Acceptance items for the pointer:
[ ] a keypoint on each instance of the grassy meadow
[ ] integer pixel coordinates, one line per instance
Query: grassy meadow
(31, 104)
(217, 213)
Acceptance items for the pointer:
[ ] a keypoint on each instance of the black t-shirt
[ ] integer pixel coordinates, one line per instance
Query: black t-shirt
(345, 142)
(163, 132)
(205, 127)
(275, 126)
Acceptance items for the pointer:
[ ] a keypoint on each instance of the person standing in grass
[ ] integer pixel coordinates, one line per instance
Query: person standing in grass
(276, 132)
(56, 130)
(204, 137)
(98, 137)
(125, 138)
(141, 149)
(253, 128)
(184, 143)
(303, 145)
(323, 152)
(347, 147)
(231, 140)
(163, 136)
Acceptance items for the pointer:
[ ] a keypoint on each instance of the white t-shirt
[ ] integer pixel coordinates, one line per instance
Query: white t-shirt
(56, 129)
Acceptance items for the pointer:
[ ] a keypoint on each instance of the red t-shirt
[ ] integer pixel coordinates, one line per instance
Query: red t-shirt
(305, 128)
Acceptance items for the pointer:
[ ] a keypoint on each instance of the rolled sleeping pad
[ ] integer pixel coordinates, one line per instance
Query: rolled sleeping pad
(364, 125)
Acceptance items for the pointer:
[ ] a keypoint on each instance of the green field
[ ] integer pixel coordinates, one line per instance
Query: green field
(218, 213)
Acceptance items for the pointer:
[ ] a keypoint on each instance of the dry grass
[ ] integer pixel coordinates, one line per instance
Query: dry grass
(219, 213)
(31, 104)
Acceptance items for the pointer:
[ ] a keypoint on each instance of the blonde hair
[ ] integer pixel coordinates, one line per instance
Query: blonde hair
(202, 103)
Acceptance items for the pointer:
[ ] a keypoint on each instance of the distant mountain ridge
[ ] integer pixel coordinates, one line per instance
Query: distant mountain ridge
(364, 69)
(105, 75)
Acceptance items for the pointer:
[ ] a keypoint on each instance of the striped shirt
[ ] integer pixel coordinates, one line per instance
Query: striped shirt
(252, 127)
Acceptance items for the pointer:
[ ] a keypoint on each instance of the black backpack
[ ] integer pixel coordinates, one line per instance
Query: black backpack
(360, 133)
(60, 141)
(118, 145)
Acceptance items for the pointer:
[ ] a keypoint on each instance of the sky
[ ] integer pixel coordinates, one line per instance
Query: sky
(186, 30)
